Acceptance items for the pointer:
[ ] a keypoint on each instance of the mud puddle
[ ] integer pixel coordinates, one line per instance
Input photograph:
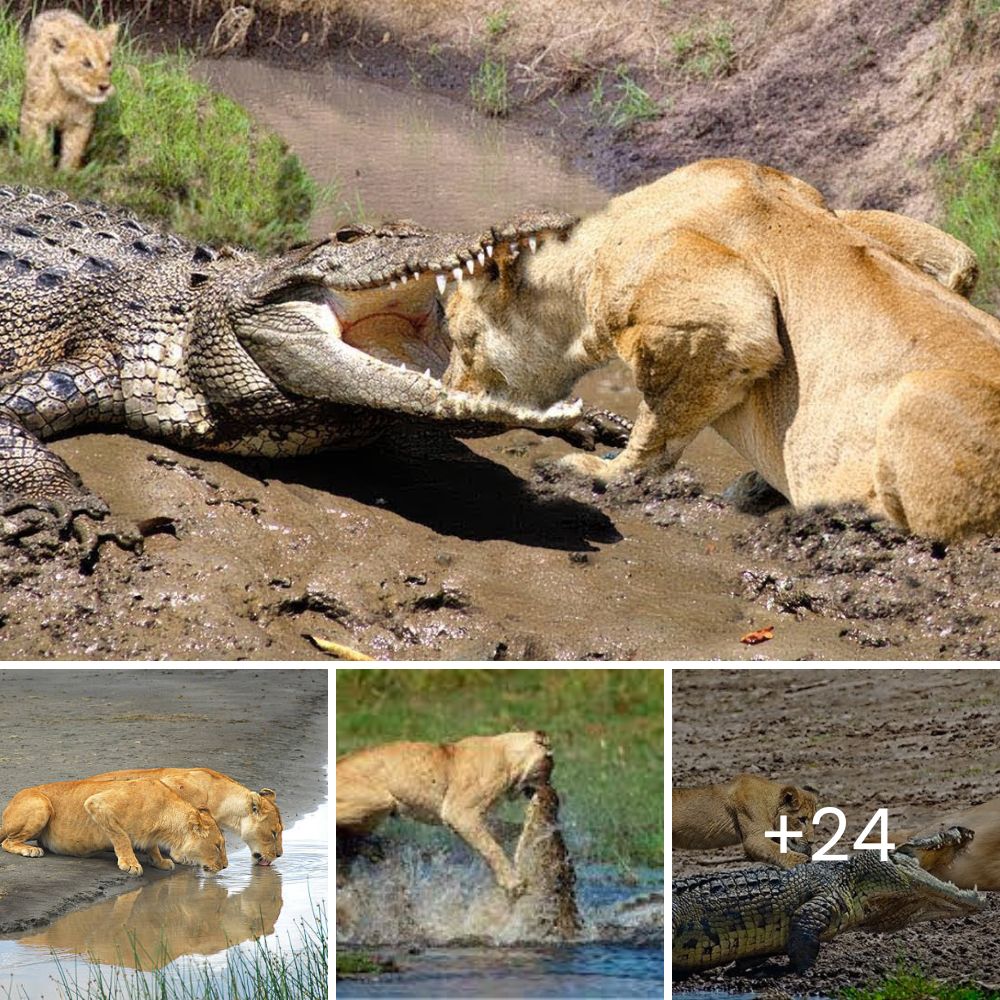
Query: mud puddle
(451, 932)
(400, 154)
(179, 922)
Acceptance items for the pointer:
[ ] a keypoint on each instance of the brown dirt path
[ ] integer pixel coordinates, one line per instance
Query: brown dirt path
(921, 742)
(265, 728)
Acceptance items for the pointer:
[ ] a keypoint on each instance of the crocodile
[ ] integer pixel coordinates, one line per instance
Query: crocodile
(105, 320)
(761, 911)
(544, 866)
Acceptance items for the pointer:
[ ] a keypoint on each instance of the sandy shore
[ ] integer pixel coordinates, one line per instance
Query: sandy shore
(265, 728)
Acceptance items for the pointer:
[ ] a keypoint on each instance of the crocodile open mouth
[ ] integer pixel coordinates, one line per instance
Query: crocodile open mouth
(362, 321)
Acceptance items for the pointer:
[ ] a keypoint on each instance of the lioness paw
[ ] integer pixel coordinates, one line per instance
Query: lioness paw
(164, 864)
(601, 470)
(130, 867)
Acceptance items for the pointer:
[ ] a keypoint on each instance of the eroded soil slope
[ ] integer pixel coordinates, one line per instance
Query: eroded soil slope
(921, 743)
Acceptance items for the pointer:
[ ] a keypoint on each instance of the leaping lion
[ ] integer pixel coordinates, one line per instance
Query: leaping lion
(834, 351)
(454, 784)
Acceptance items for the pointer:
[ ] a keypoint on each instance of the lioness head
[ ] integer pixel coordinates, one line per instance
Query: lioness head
(261, 827)
(81, 60)
(531, 756)
(204, 845)
(515, 334)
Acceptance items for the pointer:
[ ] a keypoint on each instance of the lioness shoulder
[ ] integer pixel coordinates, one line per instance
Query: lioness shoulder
(740, 812)
(67, 75)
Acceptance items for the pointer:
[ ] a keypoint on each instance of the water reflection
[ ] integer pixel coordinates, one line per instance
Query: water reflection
(177, 915)
(180, 919)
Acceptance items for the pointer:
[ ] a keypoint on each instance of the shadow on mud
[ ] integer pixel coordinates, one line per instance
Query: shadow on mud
(441, 483)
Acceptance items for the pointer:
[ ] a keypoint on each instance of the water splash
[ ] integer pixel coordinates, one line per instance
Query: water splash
(434, 898)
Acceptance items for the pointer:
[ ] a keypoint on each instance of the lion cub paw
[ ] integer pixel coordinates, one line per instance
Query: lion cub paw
(130, 867)
(164, 864)
(25, 850)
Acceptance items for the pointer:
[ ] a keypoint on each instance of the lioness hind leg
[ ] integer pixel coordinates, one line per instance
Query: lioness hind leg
(937, 454)
(101, 810)
(27, 814)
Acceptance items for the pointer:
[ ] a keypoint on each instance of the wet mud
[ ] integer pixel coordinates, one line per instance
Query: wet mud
(420, 548)
(919, 742)
(264, 728)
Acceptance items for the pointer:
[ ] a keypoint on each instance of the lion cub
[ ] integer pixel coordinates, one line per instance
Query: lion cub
(67, 75)
(739, 812)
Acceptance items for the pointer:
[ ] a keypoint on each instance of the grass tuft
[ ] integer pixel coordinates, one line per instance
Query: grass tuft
(170, 149)
(706, 51)
(971, 189)
(631, 104)
(488, 90)
(909, 982)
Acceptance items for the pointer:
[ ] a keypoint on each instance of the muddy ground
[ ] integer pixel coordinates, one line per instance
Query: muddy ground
(265, 728)
(475, 550)
(921, 742)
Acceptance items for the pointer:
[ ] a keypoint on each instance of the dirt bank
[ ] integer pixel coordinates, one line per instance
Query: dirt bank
(919, 742)
(266, 728)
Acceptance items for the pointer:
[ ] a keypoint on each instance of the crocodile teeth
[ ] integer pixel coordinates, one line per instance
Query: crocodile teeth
(481, 257)
(392, 284)
(489, 249)
(457, 273)
(442, 283)
(404, 279)
(416, 275)
(470, 266)
(532, 243)
(427, 374)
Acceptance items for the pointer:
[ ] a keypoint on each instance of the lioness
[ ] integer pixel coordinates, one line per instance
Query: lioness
(739, 812)
(67, 75)
(819, 351)
(84, 817)
(451, 783)
(252, 815)
(971, 865)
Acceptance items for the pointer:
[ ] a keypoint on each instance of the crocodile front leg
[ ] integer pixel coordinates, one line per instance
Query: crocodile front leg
(809, 922)
(37, 488)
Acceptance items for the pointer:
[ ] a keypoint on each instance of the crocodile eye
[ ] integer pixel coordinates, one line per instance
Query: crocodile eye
(349, 234)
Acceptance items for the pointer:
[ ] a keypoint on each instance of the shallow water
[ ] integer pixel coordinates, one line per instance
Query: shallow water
(398, 154)
(472, 943)
(180, 921)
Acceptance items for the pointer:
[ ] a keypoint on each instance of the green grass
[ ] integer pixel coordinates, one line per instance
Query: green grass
(498, 22)
(265, 972)
(911, 983)
(606, 728)
(170, 149)
(705, 51)
(488, 90)
(623, 102)
(971, 189)
(356, 963)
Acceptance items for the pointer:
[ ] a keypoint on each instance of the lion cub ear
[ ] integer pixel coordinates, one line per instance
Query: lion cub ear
(790, 797)
(267, 793)
(201, 822)
(110, 34)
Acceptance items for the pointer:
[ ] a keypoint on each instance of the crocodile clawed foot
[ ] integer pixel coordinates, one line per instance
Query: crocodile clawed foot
(43, 524)
(91, 533)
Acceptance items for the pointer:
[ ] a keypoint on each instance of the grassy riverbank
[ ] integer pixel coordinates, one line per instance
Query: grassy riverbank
(171, 150)
(606, 728)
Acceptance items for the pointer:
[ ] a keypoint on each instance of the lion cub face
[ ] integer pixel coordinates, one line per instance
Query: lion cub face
(799, 805)
(204, 846)
(80, 58)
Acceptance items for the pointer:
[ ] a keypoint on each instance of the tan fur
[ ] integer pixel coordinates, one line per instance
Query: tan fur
(451, 783)
(978, 864)
(740, 812)
(67, 75)
(85, 817)
(816, 347)
(254, 816)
